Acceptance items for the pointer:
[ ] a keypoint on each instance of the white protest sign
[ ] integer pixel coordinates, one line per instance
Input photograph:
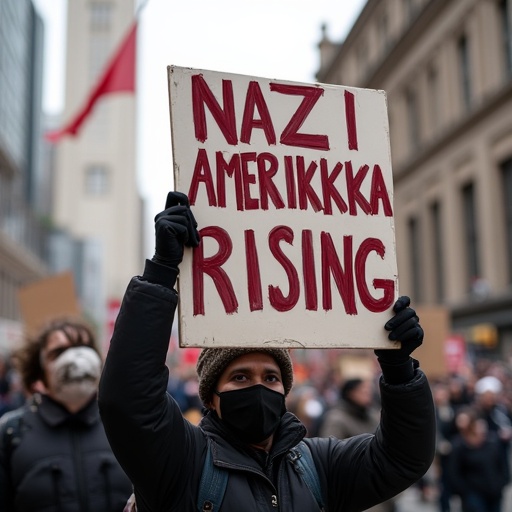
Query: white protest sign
(292, 189)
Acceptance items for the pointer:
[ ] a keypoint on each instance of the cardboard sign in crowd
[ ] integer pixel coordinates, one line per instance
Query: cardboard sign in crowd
(292, 189)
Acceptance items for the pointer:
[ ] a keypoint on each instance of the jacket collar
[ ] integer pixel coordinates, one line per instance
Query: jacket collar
(227, 451)
(54, 414)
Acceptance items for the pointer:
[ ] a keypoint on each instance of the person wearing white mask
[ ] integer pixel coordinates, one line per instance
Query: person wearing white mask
(54, 455)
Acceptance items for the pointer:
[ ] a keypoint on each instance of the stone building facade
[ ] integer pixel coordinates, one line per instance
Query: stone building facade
(446, 68)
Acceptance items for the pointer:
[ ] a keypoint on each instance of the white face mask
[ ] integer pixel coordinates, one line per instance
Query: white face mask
(74, 376)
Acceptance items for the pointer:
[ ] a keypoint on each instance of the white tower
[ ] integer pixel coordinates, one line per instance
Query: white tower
(96, 196)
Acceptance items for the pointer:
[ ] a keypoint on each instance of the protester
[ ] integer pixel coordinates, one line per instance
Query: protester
(476, 467)
(459, 389)
(488, 400)
(446, 431)
(247, 428)
(11, 394)
(488, 391)
(54, 455)
(305, 401)
(354, 414)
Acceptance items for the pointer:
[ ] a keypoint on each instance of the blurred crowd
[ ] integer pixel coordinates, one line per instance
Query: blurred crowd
(474, 416)
(11, 389)
(336, 394)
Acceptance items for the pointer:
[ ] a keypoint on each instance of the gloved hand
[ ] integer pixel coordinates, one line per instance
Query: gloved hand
(174, 228)
(396, 364)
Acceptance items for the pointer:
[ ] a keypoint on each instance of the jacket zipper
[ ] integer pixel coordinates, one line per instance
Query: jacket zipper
(273, 497)
(79, 471)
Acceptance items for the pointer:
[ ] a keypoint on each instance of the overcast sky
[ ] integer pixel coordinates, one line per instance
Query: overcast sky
(266, 38)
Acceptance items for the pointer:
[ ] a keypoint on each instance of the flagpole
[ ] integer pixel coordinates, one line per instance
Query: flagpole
(140, 7)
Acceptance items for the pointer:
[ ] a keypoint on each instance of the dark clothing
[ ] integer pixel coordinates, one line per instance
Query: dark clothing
(478, 474)
(446, 431)
(499, 421)
(346, 419)
(63, 462)
(165, 463)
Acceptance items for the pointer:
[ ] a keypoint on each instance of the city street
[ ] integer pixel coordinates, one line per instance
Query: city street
(410, 501)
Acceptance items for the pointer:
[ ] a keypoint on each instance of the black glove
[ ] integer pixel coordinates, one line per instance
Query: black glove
(175, 227)
(397, 365)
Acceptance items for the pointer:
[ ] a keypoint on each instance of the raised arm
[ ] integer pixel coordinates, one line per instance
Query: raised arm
(374, 468)
(143, 424)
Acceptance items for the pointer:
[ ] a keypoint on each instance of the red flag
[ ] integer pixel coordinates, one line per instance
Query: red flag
(119, 76)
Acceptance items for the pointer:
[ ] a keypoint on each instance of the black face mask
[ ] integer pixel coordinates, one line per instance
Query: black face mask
(252, 413)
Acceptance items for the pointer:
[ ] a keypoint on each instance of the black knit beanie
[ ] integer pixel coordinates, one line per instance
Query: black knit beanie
(212, 362)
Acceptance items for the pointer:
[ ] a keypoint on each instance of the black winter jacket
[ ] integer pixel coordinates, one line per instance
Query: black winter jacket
(164, 454)
(59, 462)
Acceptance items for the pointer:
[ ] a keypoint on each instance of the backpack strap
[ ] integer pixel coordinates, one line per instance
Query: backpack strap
(10, 431)
(301, 458)
(213, 484)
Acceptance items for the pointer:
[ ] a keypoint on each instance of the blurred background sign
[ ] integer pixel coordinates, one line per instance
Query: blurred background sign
(435, 321)
(46, 299)
(484, 334)
(455, 353)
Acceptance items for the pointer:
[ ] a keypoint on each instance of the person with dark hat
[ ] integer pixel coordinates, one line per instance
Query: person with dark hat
(355, 413)
(247, 431)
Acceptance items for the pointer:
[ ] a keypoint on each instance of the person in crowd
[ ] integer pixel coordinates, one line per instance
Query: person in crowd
(183, 387)
(354, 414)
(247, 427)
(459, 390)
(446, 431)
(11, 394)
(54, 454)
(305, 401)
(476, 466)
(488, 391)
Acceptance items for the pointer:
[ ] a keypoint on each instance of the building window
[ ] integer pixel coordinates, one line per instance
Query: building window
(3, 295)
(99, 50)
(505, 16)
(413, 121)
(464, 70)
(414, 253)
(434, 92)
(506, 172)
(409, 10)
(470, 234)
(100, 47)
(97, 182)
(362, 58)
(383, 28)
(101, 15)
(8, 294)
(437, 249)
